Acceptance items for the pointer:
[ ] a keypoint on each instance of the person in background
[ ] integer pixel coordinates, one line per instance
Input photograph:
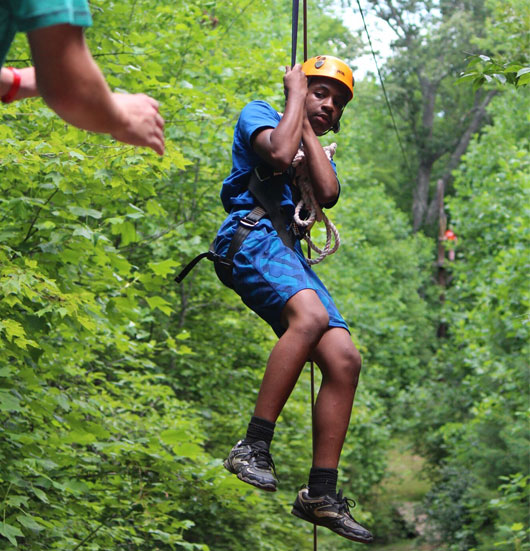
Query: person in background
(66, 75)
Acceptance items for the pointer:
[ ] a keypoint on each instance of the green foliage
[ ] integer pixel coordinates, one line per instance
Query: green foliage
(120, 392)
(506, 44)
(477, 394)
(483, 69)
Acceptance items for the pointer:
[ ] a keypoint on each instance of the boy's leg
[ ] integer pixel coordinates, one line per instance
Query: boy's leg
(306, 320)
(340, 363)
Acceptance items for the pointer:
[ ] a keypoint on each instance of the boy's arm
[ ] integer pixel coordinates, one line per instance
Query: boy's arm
(278, 146)
(323, 177)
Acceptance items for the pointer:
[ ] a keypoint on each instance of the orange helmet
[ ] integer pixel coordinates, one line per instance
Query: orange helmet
(330, 67)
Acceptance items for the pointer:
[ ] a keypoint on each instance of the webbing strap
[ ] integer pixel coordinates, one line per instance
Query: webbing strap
(246, 225)
(187, 269)
(267, 188)
(294, 30)
(223, 264)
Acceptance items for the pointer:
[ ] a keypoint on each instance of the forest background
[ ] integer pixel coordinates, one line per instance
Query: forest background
(121, 392)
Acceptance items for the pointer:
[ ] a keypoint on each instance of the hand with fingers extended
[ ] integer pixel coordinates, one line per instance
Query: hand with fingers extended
(142, 124)
(295, 81)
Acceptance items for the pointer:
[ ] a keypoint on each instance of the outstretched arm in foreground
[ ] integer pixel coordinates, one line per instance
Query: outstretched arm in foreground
(28, 84)
(72, 84)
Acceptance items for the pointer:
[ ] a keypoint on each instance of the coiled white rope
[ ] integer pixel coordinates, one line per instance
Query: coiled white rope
(309, 204)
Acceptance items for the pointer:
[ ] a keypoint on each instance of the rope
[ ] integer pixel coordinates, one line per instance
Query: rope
(299, 170)
(384, 89)
(308, 204)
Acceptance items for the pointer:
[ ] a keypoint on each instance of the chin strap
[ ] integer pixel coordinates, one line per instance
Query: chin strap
(309, 204)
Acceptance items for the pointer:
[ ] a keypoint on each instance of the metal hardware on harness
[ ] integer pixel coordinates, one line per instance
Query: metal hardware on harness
(223, 264)
(248, 223)
(266, 187)
(269, 174)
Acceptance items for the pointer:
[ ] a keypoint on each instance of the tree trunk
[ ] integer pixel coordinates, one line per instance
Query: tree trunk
(421, 194)
(479, 112)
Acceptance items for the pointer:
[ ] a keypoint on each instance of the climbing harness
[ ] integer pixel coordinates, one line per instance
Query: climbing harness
(266, 186)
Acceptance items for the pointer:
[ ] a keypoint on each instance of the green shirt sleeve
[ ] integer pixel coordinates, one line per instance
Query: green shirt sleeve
(35, 14)
(28, 15)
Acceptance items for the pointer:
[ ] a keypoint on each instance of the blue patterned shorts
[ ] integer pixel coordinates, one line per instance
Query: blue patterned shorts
(267, 274)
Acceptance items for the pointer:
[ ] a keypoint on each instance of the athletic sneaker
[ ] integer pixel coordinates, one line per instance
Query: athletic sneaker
(331, 513)
(252, 463)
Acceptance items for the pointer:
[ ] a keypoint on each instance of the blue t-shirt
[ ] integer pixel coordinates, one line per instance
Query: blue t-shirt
(236, 198)
(28, 15)
(257, 115)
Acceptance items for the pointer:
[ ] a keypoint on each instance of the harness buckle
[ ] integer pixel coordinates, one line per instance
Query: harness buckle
(266, 174)
(224, 261)
(259, 176)
(248, 223)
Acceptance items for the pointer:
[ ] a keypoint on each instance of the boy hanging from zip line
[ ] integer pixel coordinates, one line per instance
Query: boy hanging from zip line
(276, 282)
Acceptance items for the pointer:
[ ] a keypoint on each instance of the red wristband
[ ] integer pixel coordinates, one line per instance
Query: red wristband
(15, 85)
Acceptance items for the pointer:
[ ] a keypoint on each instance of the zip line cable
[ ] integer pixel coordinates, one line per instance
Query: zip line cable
(294, 37)
(294, 32)
(305, 30)
(384, 89)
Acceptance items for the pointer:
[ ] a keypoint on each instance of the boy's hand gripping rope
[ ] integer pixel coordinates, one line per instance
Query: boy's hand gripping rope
(311, 206)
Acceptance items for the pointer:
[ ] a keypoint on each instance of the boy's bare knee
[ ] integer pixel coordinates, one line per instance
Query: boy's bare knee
(305, 314)
(350, 367)
(312, 324)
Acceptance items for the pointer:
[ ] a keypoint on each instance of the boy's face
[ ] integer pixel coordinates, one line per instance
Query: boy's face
(325, 101)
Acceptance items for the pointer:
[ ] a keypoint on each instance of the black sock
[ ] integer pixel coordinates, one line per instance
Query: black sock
(259, 429)
(323, 482)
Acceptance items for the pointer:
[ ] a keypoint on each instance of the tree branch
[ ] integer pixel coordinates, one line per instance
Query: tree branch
(473, 126)
(30, 233)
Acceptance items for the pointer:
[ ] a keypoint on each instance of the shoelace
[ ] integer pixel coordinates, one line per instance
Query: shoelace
(263, 459)
(345, 503)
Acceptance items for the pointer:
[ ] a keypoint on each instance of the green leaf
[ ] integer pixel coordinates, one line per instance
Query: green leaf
(164, 267)
(174, 436)
(160, 303)
(523, 71)
(466, 78)
(5, 371)
(10, 532)
(523, 79)
(81, 211)
(500, 78)
(9, 402)
(30, 522)
(40, 494)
